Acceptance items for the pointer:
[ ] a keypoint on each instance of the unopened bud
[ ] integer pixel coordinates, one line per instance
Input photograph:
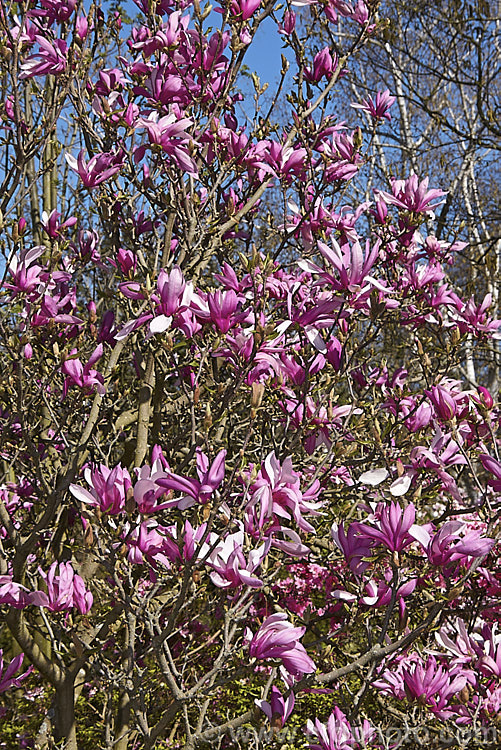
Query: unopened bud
(257, 394)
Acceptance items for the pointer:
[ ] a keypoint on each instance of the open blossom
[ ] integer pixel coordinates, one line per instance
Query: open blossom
(7, 679)
(429, 683)
(50, 59)
(210, 476)
(169, 132)
(350, 264)
(65, 589)
(452, 543)
(391, 526)
(277, 638)
(98, 169)
(276, 496)
(377, 108)
(338, 733)
(13, 593)
(173, 295)
(229, 565)
(413, 195)
(24, 272)
(83, 376)
(109, 488)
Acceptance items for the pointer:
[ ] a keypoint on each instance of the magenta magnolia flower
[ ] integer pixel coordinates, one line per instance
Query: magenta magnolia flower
(447, 547)
(392, 527)
(323, 65)
(229, 566)
(109, 488)
(24, 272)
(430, 683)
(276, 495)
(98, 169)
(169, 132)
(493, 466)
(53, 226)
(353, 545)
(412, 195)
(427, 682)
(7, 679)
(338, 733)
(277, 638)
(50, 59)
(83, 376)
(173, 295)
(277, 709)
(377, 108)
(196, 490)
(13, 593)
(65, 589)
(443, 402)
(222, 306)
(244, 8)
(351, 264)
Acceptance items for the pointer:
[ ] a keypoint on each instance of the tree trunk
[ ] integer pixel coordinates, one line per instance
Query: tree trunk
(65, 728)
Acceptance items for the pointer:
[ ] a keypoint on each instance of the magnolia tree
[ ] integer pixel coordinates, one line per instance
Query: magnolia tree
(222, 509)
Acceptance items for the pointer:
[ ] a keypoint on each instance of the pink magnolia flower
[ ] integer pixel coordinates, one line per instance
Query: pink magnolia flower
(109, 488)
(169, 132)
(391, 526)
(173, 295)
(146, 542)
(377, 108)
(222, 307)
(277, 709)
(324, 64)
(443, 402)
(466, 648)
(7, 679)
(24, 272)
(353, 545)
(53, 226)
(83, 376)
(197, 490)
(288, 23)
(12, 593)
(412, 195)
(276, 495)
(147, 491)
(50, 59)
(244, 8)
(229, 566)
(55, 10)
(447, 547)
(472, 318)
(188, 545)
(338, 733)
(98, 169)
(65, 589)
(350, 263)
(490, 662)
(277, 638)
(126, 260)
(431, 684)
(493, 466)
